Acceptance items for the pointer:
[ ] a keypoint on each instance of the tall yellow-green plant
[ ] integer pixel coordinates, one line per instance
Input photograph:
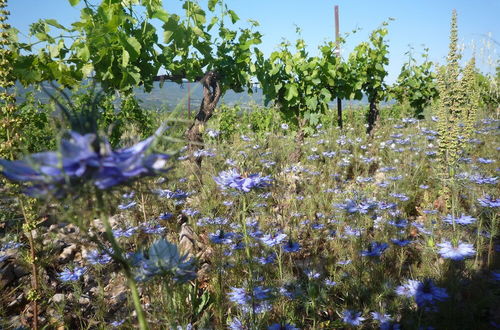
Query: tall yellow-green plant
(9, 124)
(471, 106)
(451, 100)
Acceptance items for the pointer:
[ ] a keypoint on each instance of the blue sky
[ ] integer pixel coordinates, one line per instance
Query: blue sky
(416, 23)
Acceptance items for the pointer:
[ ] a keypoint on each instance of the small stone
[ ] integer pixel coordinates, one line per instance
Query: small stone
(57, 298)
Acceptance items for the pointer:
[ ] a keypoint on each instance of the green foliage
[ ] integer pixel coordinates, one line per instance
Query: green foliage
(489, 90)
(228, 118)
(263, 119)
(109, 43)
(416, 84)
(292, 81)
(39, 130)
(367, 62)
(190, 49)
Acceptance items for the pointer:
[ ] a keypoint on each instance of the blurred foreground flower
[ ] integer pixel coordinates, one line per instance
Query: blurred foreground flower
(81, 158)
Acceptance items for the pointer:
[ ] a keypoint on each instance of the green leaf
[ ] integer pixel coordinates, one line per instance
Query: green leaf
(83, 53)
(133, 47)
(234, 17)
(54, 23)
(74, 2)
(291, 92)
(125, 58)
(161, 14)
(211, 4)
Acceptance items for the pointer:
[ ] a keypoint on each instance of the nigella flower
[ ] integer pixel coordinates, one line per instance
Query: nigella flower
(273, 239)
(401, 197)
(117, 323)
(312, 274)
(127, 232)
(344, 262)
(495, 275)
(428, 293)
(329, 282)
(459, 252)
(375, 249)
(408, 289)
(382, 318)
(232, 179)
(78, 160)
(425, 293)
(489, 201)
(251, 300)
(153, 229)
(127, 206)
(165, 216)
(221, 237)
(267, 259)
(68, 275)
(400, 242)
(95, 257)
(485, 160)
(282, 326)
(291, 246)
(284, 126)
(352, 318)
(10, 245)
(462, 220)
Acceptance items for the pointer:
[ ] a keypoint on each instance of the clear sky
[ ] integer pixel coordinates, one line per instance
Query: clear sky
(417, 23)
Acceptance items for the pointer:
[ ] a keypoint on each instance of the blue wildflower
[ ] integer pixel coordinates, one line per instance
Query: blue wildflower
(291, 246)
(68, 275)
(375, 249)
(273, 239)
(282, 326)
(221, 237)
(489, 201)
(95, 257)
(352, 318)
(127, 206)
(55, 172)
(232, 179)
(459, 252)
(462, 220)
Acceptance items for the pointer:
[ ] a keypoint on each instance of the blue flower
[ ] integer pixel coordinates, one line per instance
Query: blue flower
(68, 275)
(291, 246)
(127, 206)
(425, 293)
(95, 257)
(251, 300)
(489, 201)
(79, 161)
(400, 242)
(459, 252)
(462, 220)
(352, 318)
(221, 237)
(428, 293)
(233, 179)
(273, 239)
(281, 326)
(375, 249)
